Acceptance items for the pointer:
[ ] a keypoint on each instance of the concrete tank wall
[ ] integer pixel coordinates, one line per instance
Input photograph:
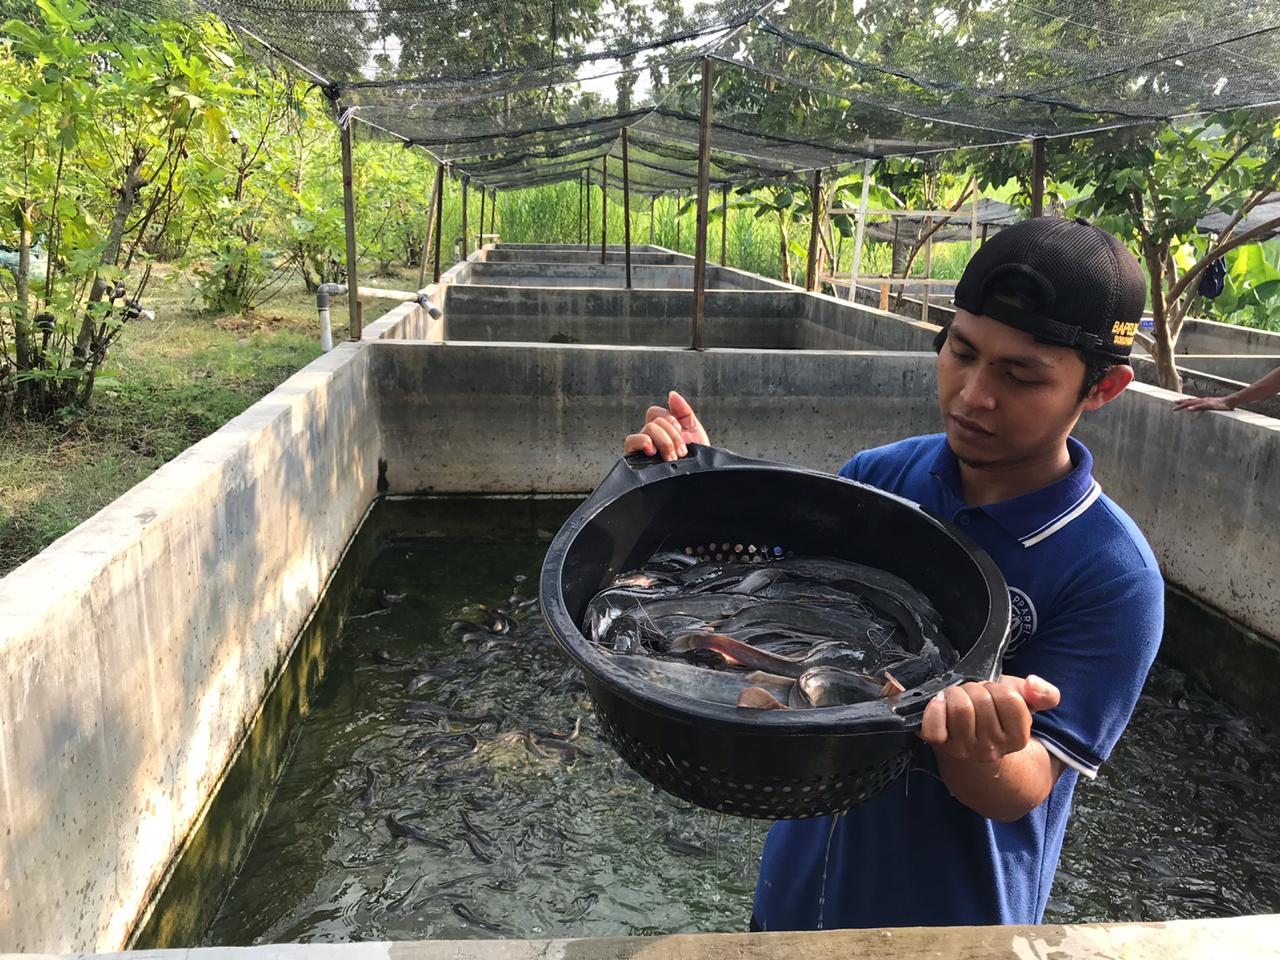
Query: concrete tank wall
(504, 254)
(1203, 489)
(135, 651)
(498, 418)
(1210, 336)
(602, 275)
(834, 324)
(624, 317)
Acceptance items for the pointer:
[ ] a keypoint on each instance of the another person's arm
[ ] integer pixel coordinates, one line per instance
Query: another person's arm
(1265, 387)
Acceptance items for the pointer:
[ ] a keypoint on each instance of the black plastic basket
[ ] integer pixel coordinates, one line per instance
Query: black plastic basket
(774, 764)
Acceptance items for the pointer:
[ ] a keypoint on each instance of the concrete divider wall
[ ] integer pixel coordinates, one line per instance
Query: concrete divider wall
(1203, 488)
(515, 418)
(834, 324)
(734, 318)
(582, 255)
(136, 650)
(525, 273)
(1210, 336)
(1242, 368)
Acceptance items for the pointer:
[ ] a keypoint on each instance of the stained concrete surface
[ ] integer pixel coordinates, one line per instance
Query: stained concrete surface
(1257, 938)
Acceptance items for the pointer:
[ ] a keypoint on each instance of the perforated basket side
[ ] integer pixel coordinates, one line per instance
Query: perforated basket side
(696, 776)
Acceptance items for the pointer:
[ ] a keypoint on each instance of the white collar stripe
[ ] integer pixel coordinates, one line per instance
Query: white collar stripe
(1060, 521)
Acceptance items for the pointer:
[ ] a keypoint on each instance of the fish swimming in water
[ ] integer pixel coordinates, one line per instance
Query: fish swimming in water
(410, 831)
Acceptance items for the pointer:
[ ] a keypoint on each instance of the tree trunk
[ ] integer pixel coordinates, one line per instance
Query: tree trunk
(21, 308)
(133, 182)
(1167, 375)
(784, 247)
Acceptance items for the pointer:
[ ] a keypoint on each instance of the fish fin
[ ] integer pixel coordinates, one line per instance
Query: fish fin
(891, 686)
(758, 698)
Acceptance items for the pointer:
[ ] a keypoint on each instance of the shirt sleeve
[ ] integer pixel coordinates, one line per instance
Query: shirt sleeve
(1096, 650)
(852, 470)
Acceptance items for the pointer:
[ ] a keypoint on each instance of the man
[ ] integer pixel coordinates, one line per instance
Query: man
(1045, 317)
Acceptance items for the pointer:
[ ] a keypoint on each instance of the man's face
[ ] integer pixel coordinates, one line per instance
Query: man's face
(1005, 398)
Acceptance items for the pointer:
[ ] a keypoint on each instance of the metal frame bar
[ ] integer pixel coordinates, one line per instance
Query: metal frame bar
(439, 220)
(626, 204)
(704, 171)
(1037, 177)
(431, 222)
(349, 221)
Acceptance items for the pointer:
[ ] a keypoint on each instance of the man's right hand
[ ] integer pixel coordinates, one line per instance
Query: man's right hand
(667, 430)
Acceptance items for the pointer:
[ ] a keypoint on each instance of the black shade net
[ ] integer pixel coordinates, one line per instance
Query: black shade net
(524, 92)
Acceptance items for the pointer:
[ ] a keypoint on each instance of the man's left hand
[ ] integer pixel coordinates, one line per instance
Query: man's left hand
(985, 722)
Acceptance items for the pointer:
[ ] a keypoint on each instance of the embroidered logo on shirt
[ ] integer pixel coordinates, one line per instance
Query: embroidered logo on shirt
(1022, 619)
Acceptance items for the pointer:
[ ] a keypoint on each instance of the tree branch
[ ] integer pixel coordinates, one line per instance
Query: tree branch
(1220, 250)
(1227, 164)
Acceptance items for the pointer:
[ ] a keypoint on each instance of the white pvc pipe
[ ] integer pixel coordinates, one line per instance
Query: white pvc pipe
(326, 330)
(861, 230)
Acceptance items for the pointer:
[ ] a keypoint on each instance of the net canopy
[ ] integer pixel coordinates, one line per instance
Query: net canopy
(523, 92)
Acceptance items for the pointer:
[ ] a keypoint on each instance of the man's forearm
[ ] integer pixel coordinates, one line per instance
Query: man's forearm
(1005, 790)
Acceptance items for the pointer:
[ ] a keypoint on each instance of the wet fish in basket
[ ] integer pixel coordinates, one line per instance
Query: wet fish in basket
(787, 633)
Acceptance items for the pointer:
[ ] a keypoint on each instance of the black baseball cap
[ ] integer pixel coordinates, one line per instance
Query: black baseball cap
(1065, 282)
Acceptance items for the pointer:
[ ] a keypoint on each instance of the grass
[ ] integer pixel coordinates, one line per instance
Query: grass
(171, 382)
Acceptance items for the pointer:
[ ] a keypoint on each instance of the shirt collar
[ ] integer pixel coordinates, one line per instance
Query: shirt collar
(1032, 517)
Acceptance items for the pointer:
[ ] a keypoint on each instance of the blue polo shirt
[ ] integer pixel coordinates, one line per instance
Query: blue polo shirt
(1088, 612)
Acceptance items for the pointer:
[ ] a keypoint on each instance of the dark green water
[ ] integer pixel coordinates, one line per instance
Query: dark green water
(550, 836)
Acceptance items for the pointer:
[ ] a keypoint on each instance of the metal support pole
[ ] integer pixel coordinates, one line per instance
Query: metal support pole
(811, 268)
(439, 220)
(349, 218)
(973, 221)
(704, 174)
(860, 231)
(493, 213)
(1037, 177)
(579, 208)
(586, 175)
(626, 204)
(466, 181)
(604, 208)
(484, 195)
(724, 222)
(431, 222)
(653, 202)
